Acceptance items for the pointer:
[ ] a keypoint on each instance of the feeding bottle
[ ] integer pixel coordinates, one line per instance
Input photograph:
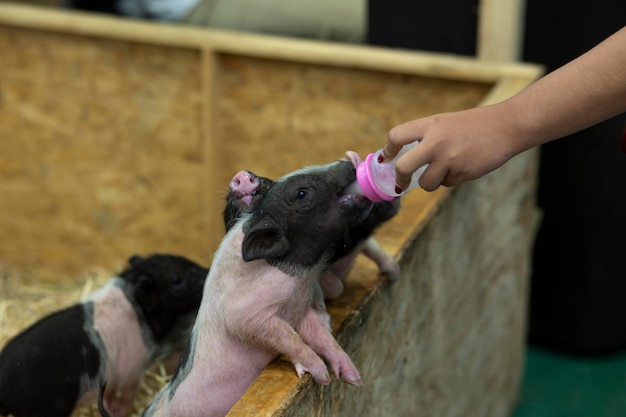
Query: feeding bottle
(377, 181)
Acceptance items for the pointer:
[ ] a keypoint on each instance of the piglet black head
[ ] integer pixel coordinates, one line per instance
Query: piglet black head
(301, 215)
(168, 291)
(267, 238)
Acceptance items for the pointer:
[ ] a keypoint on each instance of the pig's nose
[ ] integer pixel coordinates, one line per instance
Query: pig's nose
(244, 182)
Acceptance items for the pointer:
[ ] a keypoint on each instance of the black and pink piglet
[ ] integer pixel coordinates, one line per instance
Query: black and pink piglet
(264, 295)
(144, 314)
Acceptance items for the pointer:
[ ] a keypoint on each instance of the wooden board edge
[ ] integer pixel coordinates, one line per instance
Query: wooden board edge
(262, 46)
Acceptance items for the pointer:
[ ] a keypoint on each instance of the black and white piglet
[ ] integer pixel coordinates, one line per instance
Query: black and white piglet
(262, 296)
(144, 314)
(246, 190)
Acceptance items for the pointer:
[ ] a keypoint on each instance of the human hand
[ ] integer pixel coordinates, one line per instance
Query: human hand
(458, 146)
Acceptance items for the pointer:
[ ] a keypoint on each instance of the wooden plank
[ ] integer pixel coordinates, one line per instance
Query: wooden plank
(382, 59)
(209, 196)
(500, 30)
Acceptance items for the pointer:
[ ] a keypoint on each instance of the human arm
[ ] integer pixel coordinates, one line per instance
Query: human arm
(468, 144)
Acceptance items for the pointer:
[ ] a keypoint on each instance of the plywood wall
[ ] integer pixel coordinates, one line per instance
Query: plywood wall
(100, 150)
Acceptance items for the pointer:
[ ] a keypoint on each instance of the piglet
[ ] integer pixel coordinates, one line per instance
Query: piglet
(144, 314)
(262, 296)
(246, 190)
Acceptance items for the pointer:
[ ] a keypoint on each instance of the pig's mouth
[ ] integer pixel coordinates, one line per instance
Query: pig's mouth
(352, 194)
(362, 205)
(355, 188)
(359, 205)
(247, 199)
(352, 199)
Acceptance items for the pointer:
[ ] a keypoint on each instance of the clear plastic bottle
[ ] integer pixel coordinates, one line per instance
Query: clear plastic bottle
(377, 181)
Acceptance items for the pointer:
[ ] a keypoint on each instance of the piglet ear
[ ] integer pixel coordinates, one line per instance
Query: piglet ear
(262, 241)
(145, 293)
(135, 260)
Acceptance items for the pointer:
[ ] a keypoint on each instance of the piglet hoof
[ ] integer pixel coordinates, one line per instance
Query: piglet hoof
(391, 269)
(116, 409)
(119, 404)
(344, 370)
(319, 372)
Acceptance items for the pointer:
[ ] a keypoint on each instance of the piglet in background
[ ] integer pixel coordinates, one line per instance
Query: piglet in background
(143, 315)
(246, 190)
(262, 297)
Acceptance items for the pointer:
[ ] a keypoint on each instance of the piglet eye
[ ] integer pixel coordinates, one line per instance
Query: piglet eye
(178, 283)
(303, 197)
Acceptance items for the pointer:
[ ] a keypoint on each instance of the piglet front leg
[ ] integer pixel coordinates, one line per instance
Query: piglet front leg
(315, 331)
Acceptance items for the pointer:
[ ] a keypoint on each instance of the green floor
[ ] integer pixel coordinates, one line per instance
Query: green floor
(565, 386)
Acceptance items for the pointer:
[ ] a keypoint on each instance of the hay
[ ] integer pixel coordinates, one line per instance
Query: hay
(22, 304)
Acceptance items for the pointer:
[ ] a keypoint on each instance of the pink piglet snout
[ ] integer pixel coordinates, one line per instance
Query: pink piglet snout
(244, 183)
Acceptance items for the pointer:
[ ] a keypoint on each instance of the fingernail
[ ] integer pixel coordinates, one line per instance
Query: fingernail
(381, 158)
(398, 190)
